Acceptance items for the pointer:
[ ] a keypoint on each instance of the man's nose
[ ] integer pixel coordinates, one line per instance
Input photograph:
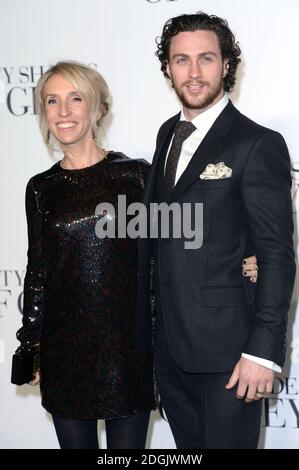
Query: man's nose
(195, 70)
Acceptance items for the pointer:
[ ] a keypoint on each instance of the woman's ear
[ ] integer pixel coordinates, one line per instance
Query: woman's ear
(98, 119)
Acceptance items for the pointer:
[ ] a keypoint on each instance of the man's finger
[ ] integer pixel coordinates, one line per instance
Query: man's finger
(233, 378)
(241, 390)
(251, 394)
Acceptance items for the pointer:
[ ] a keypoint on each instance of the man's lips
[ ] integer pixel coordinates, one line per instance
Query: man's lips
(195, 87)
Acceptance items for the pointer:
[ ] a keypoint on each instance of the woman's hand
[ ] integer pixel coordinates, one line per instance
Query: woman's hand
(250, 268)
(36, 379)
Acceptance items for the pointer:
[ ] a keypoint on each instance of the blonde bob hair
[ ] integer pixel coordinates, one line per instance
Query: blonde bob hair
(87, 81)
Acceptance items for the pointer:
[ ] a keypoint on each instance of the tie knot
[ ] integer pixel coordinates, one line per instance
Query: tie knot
(184, 129)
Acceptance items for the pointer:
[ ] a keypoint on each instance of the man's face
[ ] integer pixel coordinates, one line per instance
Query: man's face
(197, 70)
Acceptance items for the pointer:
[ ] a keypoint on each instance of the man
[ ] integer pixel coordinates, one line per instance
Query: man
(217, 343)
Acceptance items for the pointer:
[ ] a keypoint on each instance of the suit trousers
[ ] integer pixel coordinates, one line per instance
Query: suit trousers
(202, 414)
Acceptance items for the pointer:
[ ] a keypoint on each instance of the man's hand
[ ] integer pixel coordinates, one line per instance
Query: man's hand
(254, 380)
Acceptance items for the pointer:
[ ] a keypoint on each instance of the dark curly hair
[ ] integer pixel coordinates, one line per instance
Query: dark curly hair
(230, 50)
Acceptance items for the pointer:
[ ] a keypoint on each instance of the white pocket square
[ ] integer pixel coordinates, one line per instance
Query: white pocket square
(216, 172)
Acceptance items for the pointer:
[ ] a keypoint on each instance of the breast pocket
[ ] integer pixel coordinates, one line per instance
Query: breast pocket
(218, 194)
(216, 184)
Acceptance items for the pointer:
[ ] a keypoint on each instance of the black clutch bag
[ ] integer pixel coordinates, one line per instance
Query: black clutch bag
(24, 365)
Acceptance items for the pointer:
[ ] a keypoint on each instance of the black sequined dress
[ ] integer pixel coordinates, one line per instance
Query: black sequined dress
(80, 292)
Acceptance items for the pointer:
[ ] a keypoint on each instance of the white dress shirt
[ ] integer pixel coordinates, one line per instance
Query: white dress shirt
(203, 122)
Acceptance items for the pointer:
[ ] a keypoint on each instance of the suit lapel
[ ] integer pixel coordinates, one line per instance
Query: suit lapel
(163, 142)
(207, 152)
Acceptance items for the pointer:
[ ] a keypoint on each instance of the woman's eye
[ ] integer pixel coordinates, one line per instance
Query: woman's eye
(77, 98)
(51, 101)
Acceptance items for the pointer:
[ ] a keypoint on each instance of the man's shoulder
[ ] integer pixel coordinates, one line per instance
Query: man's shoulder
(247, 132)
(172, 119)
(251, 128)
(170, 122)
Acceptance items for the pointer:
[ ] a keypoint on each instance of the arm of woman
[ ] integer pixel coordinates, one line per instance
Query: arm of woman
(29, 333)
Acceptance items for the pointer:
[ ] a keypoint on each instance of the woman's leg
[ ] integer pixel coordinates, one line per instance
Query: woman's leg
(76, 433)
(127, 433)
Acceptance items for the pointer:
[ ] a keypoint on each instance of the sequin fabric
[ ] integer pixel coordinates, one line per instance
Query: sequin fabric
(80, 293)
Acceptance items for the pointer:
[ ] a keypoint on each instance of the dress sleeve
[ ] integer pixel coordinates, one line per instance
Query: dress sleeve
(144, 169)
(34, 284)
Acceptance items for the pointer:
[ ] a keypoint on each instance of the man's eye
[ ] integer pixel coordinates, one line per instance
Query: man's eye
(207, 59)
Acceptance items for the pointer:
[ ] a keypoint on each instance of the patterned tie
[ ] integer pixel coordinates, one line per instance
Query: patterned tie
(182, 130)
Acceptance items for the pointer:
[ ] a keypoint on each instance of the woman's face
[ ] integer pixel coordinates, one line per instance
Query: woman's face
(66, 112)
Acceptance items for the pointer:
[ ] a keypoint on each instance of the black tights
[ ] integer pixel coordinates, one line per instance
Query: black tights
(121, 433)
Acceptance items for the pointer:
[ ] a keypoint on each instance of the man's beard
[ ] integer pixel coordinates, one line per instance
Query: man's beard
(203, 101)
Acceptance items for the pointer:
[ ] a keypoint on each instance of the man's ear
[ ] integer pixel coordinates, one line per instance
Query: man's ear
(168, 70)
(225, 68)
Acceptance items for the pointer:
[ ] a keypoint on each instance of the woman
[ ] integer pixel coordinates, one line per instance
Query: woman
(80, 290)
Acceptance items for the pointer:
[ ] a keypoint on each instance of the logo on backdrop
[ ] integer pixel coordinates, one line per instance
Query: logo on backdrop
(160, 1)
(17, 87)
(11, 298)
(282, 408)
(11, 291)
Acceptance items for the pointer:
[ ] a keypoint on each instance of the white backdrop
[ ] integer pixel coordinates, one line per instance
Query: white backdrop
(118, 36)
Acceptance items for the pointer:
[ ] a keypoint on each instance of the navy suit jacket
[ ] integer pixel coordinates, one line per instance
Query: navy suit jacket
(211, 313)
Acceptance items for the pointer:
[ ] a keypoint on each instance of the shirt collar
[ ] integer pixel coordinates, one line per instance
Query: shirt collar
(204, 121)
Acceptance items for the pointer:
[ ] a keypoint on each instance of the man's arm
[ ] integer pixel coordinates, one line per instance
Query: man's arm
(266, 193)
